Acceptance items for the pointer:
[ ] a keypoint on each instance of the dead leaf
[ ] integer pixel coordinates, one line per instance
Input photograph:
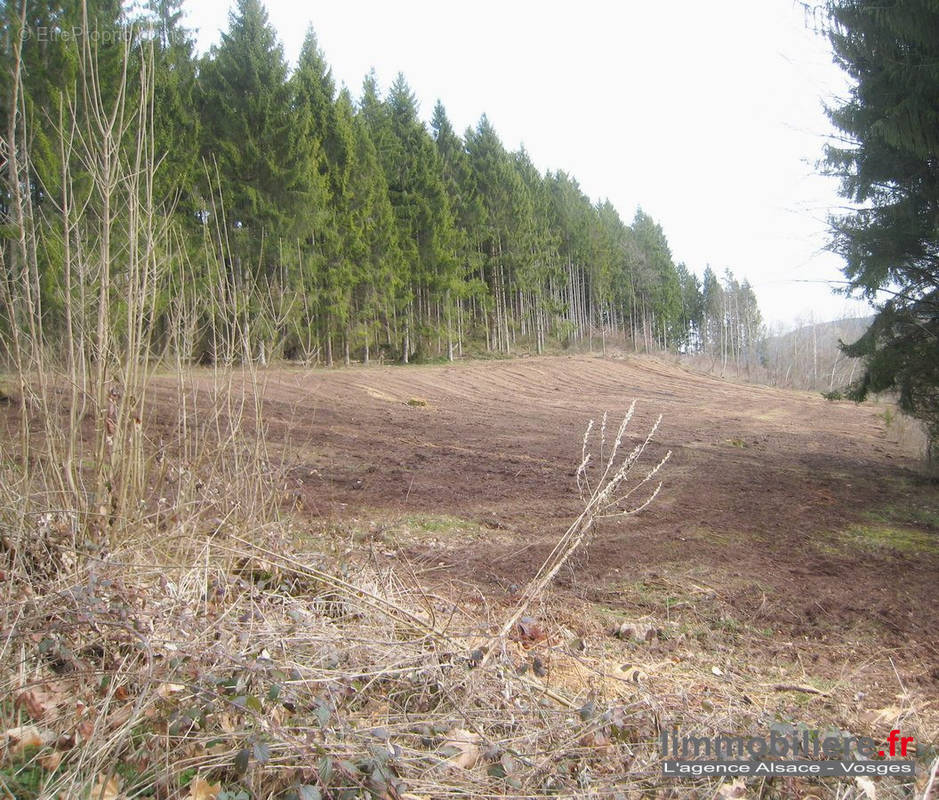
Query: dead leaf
(86, 730)
(527, 629)
(201, 789)
(106, 788)
(467, 746)
(34, 702)
(24, 737)
(595, 738)
(51, 761)
(226, 722)
(120, 717)
(166, 690)
(730, 791)
(867, 786)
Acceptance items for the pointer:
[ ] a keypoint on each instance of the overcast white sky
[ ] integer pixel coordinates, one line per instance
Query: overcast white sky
(708, 115)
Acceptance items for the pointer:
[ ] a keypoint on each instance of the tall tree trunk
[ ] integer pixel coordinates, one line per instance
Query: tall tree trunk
(406, 347)
(449, 313)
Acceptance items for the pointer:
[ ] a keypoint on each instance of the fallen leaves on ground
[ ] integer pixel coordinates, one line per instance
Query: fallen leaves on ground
(735, 790)
(466, 746)
(201, 789)
(106, 787)
(24, 737)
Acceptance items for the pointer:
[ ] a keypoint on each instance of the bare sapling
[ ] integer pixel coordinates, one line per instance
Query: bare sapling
(610, 485)
(90, 360)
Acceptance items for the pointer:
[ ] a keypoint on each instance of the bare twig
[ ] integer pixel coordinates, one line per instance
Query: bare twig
(608, 498)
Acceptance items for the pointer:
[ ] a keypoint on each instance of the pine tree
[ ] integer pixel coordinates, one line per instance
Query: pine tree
(175, 118)
(890, 169)
(318, 224)
(253, 135)
(423, 220)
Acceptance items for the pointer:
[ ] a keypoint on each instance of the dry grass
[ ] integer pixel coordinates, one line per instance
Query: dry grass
(209, 647)
(219, 652)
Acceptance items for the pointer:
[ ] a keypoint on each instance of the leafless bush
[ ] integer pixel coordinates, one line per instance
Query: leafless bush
(608, 488)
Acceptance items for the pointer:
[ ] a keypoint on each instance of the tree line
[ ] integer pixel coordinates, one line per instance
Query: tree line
(297, 221)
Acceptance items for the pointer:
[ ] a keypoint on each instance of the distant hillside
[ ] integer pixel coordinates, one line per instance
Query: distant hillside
(809, 357)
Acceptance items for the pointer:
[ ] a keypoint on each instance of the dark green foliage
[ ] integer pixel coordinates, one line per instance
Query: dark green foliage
(175, 119)
(424, 223)
(47, 44)
(690, 327)
(656, 279)
(889, 167)
(901, 352)
(307, 224)
(502, 227)
(252, 135)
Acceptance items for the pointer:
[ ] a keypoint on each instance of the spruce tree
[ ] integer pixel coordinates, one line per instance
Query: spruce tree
(458, 181)
(253, 136)
(658, 279)
(318, 222)
(504, 226)
(692, 309)
(72, 55)
(540, 268)
(424, 224)
(573, 214)
(175, 118)
(376, 276)
(890, 169)
(712, 301)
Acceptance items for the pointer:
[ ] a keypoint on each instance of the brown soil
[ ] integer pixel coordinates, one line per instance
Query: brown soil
(761, 488)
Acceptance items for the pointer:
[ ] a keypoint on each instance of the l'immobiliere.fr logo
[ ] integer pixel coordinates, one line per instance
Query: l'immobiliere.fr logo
(785, 752)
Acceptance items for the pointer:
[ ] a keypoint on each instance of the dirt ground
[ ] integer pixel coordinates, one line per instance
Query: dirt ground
(786, 573)
(783, 504)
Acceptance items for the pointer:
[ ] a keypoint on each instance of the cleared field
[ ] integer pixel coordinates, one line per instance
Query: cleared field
(350, 590)
(801, 515)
